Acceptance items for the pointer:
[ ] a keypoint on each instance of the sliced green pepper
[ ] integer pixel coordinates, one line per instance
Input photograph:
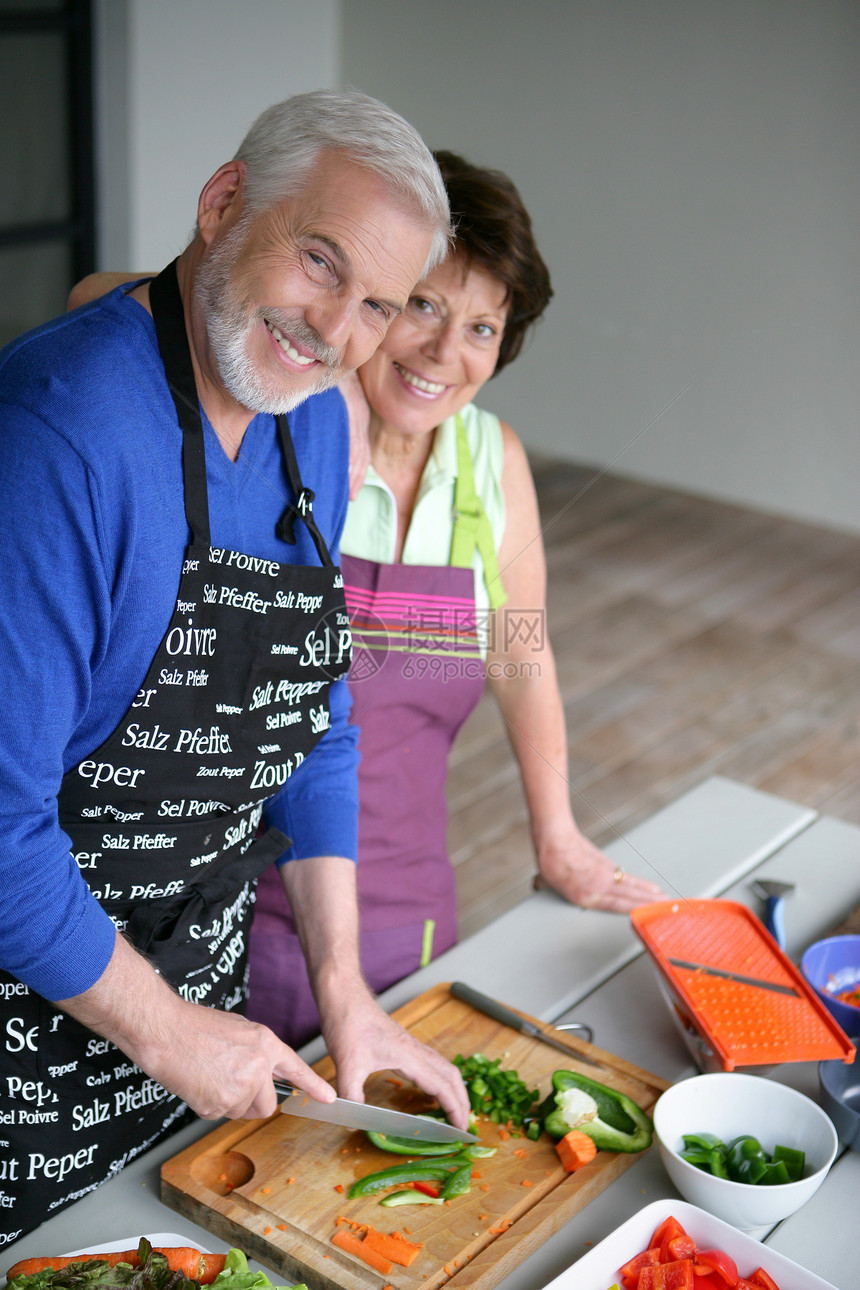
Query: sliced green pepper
(705, 1141)
(619, 1125)
(747, 1161)
(498, 1094)
(457, 1183)
(408, 1171)
(793, 1159)
(774, 1174)
(411, 1146)
(717, 1162)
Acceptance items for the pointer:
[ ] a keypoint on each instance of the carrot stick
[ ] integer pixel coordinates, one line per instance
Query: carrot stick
(397, 1249)
(185, 1259)
(29, 1267)
(575, 1150)
(352, 1245)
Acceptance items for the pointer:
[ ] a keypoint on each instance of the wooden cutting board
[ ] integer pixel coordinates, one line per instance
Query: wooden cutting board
(271, 1186)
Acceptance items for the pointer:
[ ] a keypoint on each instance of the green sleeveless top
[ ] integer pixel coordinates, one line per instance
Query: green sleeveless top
(456, 520)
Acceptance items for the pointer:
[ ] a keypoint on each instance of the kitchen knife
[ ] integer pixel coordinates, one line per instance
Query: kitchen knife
(498, 1011)
(733, 976)
(773, 894)
(362, 1115)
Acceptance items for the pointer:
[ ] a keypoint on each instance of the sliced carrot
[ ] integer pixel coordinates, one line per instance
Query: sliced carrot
(397, 1249)
(338, 1186)
(500, 1227)
(398, 1083)
(526, 1182)
(353, 1245)
(575, 1150)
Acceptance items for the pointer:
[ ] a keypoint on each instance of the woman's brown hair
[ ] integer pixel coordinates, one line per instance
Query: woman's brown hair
(494, 233)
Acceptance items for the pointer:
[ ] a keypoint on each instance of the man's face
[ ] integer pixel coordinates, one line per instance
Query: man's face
(303, 293)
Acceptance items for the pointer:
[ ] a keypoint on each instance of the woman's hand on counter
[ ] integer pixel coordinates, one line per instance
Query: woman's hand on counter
(579, 871)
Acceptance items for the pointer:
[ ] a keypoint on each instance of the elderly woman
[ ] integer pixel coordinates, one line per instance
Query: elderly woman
(442, 560)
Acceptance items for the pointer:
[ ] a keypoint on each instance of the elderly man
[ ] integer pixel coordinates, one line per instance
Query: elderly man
(174, 645)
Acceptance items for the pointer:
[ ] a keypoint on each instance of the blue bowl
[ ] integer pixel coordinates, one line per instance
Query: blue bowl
(840, 1098)
(831, 965)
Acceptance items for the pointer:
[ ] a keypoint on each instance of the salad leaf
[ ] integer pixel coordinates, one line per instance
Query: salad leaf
(238, 1276)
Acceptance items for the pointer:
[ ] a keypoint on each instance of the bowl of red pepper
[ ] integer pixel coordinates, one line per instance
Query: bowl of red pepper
(832, 968)
(743, 1147)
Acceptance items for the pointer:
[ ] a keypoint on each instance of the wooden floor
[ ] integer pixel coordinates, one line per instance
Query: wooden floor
(692, 638)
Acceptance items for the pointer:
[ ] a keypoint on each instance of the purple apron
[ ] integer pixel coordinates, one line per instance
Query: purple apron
(417, 673)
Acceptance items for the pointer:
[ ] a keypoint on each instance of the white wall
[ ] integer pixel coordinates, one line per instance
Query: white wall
(693, 168)
(178, 84)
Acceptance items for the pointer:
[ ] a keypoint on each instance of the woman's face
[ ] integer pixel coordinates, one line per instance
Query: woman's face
(440, 351)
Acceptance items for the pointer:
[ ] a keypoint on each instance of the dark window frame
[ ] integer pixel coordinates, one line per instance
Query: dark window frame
(78, 231)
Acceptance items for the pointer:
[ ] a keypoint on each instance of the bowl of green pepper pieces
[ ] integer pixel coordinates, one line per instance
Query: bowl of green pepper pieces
(743, 1147)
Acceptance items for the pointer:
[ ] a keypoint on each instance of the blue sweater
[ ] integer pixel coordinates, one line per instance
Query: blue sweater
(92, 534)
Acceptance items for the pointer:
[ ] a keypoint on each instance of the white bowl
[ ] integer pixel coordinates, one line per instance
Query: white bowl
(599, 1267)
(729, 1104)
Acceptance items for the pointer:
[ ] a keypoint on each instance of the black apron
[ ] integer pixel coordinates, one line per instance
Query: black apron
(165, 821)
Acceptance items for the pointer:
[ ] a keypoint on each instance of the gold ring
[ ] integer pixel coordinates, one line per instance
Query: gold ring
(619, 874)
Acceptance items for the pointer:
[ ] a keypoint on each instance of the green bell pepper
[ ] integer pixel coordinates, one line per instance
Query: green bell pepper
(427, 1170)
(616, 1124)
(411, 1146)
(747, 1162)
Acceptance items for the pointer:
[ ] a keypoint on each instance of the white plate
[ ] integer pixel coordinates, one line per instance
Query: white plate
(598, 1269)
(163, 1240)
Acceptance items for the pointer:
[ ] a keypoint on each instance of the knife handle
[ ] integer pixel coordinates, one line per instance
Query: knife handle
(774, 919)
(489, 1006)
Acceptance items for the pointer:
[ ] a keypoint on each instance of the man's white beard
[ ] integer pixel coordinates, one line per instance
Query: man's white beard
(229, 325)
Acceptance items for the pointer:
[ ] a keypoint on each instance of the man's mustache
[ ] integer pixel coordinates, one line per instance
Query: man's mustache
(306, 336)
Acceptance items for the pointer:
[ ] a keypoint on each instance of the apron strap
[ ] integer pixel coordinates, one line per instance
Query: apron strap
(472, 527)
(169, 318)
(303, 506)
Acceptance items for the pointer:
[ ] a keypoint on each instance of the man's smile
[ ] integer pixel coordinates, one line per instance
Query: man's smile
(304, 360)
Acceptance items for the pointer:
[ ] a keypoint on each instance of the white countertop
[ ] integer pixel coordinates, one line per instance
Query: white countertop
(573, 964)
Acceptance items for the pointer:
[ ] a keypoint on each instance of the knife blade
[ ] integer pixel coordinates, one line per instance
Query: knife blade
(507, 1016)
(733, 976)
(363, 1115)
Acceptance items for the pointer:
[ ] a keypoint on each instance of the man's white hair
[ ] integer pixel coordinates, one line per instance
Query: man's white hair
(282, 147)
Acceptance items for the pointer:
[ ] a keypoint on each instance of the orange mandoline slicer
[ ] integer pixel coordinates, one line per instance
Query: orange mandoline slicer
(736, 998)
